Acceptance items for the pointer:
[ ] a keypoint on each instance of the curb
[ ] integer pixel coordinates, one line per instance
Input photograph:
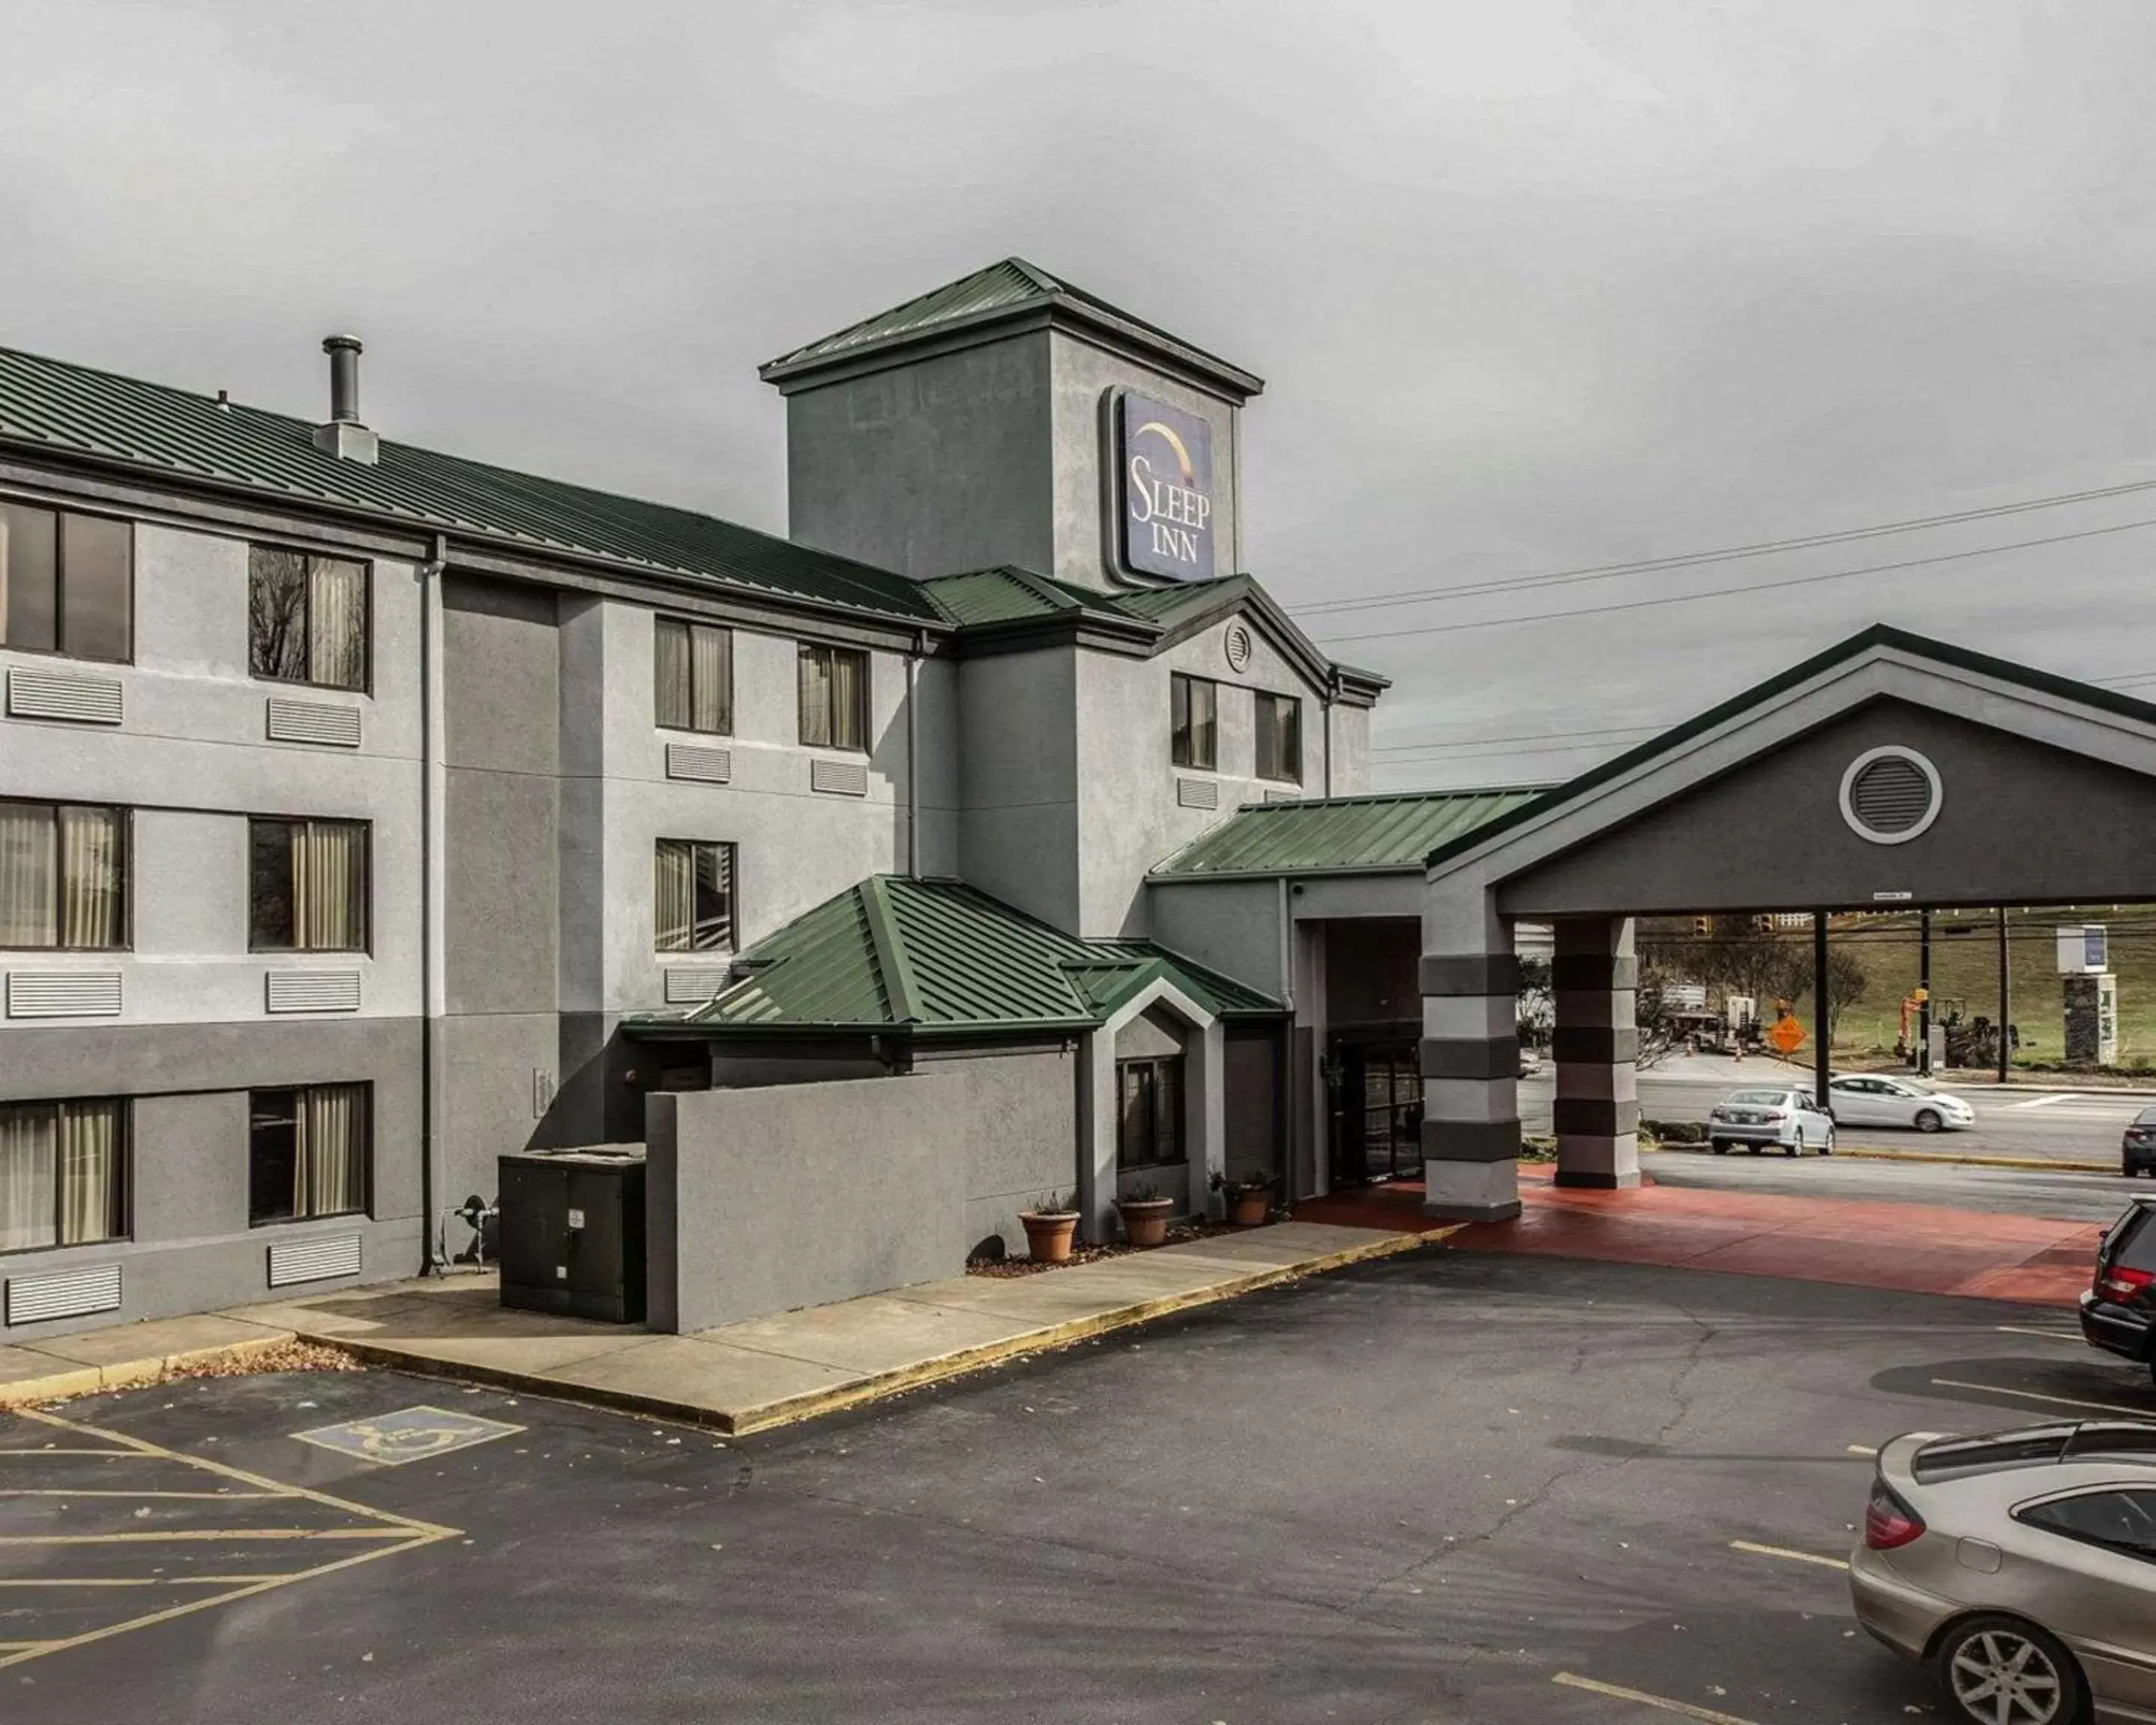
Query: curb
(133, 1373)
(879, 1386)
(2028, 1165)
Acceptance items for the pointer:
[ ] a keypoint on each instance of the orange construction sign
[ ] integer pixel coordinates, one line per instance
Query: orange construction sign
(1787, 1036)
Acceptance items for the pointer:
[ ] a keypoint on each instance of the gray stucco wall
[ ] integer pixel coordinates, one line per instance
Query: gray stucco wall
(2019, 822)
(193, 1248)
(1232, 926)
(1255, 1125)
(1372, 972)
(937, 465)
(1018, 821)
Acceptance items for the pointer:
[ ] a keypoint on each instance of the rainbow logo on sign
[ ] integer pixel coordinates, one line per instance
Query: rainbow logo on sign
(1165, 468)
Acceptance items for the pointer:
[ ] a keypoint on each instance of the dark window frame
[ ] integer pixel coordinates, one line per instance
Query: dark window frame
(367, 1158)
(126, 814)
(1262, 701)
(1153, 1066)
(127, 1176)
(365, 684)
(809, 650)
(366, 948)
(2026, 1514)
(732, 849)
(664, 620)
(59, 649)
(1183, 730)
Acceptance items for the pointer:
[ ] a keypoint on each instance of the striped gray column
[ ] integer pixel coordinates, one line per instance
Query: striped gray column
(1470, 1072)
(1594, 977)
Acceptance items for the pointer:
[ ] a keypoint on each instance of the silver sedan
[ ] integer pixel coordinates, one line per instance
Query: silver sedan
(2022, 1567)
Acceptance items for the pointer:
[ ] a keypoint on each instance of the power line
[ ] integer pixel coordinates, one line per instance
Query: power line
(1393, 748)
(1724, 593)
(1685, 560)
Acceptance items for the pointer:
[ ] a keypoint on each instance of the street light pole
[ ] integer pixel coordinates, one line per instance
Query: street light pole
(2005, 997)
(1822, 1055)
(1924, 990)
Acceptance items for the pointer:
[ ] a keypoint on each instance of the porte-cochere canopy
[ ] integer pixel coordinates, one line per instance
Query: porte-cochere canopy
(1890, 769)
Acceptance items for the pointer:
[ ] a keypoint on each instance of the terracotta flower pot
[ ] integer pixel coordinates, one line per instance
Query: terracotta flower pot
(1047, 1235)
(1145, 1219)
(1251, 1205)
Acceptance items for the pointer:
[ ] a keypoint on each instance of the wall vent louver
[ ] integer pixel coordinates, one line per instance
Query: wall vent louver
(70, 1293)
(698, 764)
(35, 694)
(320, 722)
(64, 994)
(1197, 793)
(318, 1260)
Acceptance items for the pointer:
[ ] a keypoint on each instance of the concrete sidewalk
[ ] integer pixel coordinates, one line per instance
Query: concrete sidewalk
(743, 1377)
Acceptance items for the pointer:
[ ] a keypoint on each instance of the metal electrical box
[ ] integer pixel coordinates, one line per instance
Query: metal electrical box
(572, 1232)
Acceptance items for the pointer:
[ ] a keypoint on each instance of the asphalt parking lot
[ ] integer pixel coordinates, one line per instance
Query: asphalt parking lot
(1445, 1487)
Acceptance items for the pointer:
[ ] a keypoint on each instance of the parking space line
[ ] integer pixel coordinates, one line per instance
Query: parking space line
(2048, 1335)
(133, 1496)
(2030, 1395)
(1789, 1553)
(55, 1449)
(1682, 1709)
(1860, 1449)
(203, 1535)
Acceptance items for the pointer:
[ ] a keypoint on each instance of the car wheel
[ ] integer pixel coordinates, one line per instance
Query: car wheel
(2000, 1670)
(1796, 1148)
(1928, 1120)
(1827, 1149)
(1721, 1147)
(1754, 1148)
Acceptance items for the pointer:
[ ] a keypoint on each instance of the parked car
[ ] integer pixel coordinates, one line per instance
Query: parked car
(2119, 1310)
(1757, 1118)
(2137, 1151)
(2022, 1566)
(1871, 1099)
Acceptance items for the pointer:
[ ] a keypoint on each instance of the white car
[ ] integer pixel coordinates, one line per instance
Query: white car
(1871, 1099)
(1788, 1119)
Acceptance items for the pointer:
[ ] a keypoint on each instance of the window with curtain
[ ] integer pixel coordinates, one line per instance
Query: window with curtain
(307, 885)
(67, 583)
(307, 1151)
(62, 876)
(1280, 737)
(1149, 1111)
(306, 619)
(62, 1174)
(834, 697)
(693, 676)
(1193, 722)
(693, 897)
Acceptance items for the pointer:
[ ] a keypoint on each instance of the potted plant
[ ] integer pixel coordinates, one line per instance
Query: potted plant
(1145, 1215)
(1247, 1198)
(1050, 1225)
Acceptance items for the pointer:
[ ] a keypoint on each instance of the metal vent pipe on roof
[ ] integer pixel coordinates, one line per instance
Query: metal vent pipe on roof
(344, 377)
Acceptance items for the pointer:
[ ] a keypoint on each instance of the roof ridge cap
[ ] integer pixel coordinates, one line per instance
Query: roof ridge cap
(894, 970)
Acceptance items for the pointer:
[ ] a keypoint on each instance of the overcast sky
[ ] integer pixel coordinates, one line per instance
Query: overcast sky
(1534, 286)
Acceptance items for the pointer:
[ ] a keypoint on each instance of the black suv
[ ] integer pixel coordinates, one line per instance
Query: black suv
(2119, 1313)
(2137, 1150)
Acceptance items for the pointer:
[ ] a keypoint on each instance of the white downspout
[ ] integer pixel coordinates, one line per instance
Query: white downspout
(913, 762)
(433, 895)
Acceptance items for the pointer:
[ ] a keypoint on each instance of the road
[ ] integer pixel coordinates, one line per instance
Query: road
(2048, 1126)
(1449, 1487)
(2068, 1196)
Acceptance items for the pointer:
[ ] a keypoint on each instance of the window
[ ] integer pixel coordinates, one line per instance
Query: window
(693, 676)
(693, 900)
(1280, 737)
(62, 876)
(67, 583)
(307, 885)
(307, 1151)
(1149, 1119)
(306, 619)
(1193, 707)
(834, 697)
(2120, 1521)
(62, 1174)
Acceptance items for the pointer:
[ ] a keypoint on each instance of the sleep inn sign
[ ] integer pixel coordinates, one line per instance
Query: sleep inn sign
(1165, 461)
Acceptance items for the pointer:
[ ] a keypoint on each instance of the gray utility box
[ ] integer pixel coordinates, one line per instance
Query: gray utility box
(572, 1232)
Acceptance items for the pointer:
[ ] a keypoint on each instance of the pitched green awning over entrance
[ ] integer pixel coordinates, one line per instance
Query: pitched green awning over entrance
(938, 958)
(1339, 834)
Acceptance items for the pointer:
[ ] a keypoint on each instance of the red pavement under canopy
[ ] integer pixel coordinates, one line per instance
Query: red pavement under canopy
(1916, 1248)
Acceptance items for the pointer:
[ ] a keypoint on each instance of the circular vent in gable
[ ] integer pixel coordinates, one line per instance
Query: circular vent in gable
(1889, 795)
(1236, 645)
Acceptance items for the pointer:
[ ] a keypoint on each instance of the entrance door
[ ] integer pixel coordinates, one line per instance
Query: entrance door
(1377, 1113)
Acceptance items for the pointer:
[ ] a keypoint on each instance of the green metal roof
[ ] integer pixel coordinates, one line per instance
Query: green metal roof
(1335, 834)
(1010, 594)
(930, 957)
(1003, 289)
(54, 406)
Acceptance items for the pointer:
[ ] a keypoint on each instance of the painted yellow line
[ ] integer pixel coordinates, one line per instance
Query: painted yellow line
(203, 1536)
(17, 1646)
(2071, 1336)
(230, 1580)
(2030, 1395)
(55, 1449)
(141, 1446)
(82, 1581)
(1792, 1555)
(1682, 1709)
(133, 1497)
(1862, 1449)
(238, 1593)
